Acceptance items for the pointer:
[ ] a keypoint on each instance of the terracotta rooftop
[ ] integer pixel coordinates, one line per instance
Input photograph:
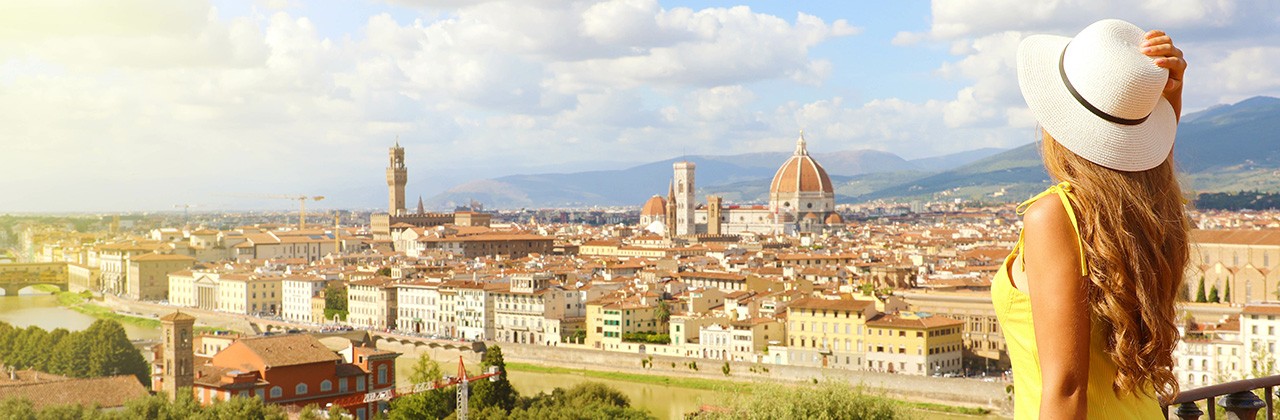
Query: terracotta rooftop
(161, 257)
(833, 304)
(1237, 237)
(290, 350)
(895, 321)
(104, 392)
(177, 316)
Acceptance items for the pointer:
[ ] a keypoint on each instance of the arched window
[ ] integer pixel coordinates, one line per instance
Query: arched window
(276, 392)
(301, 389)
(326, 386)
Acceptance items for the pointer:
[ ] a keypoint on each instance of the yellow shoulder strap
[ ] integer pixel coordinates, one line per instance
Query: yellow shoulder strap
(1063, 190)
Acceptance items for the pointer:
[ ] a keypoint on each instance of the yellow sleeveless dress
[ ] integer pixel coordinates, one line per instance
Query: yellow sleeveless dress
(1013, 309)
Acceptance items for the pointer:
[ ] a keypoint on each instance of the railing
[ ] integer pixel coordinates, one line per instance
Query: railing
(1237, 399)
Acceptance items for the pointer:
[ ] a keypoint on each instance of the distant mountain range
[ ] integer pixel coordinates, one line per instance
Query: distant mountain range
(1224, 148)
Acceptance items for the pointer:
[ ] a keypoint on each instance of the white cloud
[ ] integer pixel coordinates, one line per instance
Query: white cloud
(173, 102)
(1221, 40)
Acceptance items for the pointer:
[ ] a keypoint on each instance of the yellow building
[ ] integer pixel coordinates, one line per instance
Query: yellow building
(914, 344)
(82, 277)
(983, 341)
(148, 277)
(249, 294)
(610, 319)
(317, 309)
(827, 332)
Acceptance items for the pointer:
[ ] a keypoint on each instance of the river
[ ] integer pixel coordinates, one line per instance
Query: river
(42, 310)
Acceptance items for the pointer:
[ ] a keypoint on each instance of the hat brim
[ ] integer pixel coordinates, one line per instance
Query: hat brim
(1121, 147)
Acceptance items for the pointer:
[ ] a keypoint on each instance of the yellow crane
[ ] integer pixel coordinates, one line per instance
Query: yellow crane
(302, 205)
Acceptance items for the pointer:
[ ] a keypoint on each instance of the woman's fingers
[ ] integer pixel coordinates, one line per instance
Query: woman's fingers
(1177, 64)
(1165, 50)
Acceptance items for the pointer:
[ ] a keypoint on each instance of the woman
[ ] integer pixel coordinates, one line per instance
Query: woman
(1086, 298)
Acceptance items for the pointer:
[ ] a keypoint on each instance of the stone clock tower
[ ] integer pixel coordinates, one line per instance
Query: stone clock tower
(178, 370)
(397, 176)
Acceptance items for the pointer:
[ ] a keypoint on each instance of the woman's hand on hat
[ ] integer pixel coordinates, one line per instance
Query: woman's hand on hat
(1158, 45)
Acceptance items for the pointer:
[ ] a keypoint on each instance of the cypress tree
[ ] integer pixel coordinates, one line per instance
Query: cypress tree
(498, 393)
(1226, 292)
(1213, 294)
(1200, 297)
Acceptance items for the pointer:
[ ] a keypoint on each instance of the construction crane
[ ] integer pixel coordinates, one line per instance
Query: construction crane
(302, 205)
(462, 381)
(185, 215)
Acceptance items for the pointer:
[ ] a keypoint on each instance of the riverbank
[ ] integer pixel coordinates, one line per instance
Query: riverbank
(933, 394)
(727, 387)
(84, 303)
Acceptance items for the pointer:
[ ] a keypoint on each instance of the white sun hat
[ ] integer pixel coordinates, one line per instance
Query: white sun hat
(1099, 96)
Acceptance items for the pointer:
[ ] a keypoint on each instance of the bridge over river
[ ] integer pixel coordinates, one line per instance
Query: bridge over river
(17, 276)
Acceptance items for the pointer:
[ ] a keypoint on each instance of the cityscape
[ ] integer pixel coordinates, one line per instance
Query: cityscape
(729, 252)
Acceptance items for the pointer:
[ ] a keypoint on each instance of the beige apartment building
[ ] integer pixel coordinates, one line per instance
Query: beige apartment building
(148, 277)
(295, 297)
(83, 277)
(249, 294)
(981, 336)
(827, 332)
(609, 319)
(371, 303)
(532, 310)
(914, 344)
(113, 263)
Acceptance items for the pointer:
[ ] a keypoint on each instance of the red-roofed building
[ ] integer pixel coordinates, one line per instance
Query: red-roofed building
(295, 370)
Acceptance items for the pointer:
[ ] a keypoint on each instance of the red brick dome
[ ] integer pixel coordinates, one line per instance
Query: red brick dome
(656, 206)
(801, 174)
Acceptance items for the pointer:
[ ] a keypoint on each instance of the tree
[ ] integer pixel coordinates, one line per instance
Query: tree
(337, 412)
(111, 353)
(662, 313)
(1263, 362)
(589, 400)
(433, 404)
(1200, 297)
(1213, 294)
(68, 357)
(1226, 291)
(498, 393)
(425, 370)
(14, 408)
(335, 300)
(310, 412)
(829, 400)
(242, 408)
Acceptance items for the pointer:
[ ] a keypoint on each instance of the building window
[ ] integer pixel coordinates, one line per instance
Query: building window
(276, 392)
(301, 389)
(342, 385)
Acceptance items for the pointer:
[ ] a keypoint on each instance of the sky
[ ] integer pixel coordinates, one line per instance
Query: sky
(135, 105)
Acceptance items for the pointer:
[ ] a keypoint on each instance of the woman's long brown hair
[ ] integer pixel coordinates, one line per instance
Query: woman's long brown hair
(1135, 233)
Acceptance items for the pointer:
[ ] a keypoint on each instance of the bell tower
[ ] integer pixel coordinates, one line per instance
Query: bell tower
(178, 370)
(397, 176)
(685, 223)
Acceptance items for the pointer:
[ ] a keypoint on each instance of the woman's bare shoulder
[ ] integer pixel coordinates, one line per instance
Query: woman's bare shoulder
(1049, 216)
